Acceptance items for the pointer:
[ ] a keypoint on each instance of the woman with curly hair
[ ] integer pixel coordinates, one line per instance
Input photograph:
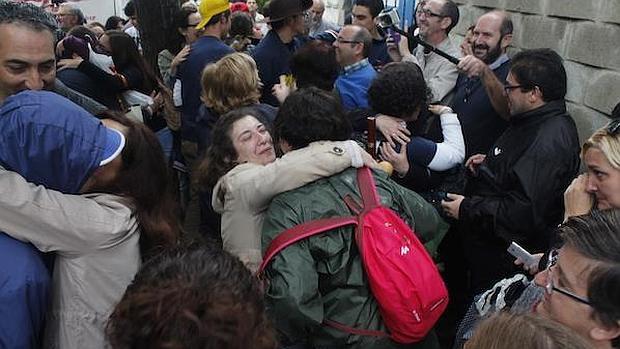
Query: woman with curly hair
(192, 298)
(400, 94)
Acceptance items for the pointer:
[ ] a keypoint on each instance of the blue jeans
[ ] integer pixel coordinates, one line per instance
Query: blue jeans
(165, 139)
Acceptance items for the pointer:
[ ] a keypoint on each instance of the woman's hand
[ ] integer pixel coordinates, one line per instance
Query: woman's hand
(179, 58)
(474, 162)
(369, 161)
(393, 129)
(577, 200)
(281, 91)
(398, 159)
(60, 48)
(72, 63)
(438, 109)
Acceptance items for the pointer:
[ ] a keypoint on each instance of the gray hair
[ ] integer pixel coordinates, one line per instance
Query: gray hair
(27, 15)
(75, 11)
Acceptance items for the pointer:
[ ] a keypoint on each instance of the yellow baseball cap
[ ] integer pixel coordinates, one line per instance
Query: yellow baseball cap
(210, 8)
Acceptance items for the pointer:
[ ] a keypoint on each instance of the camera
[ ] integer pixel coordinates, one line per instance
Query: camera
(388, 18)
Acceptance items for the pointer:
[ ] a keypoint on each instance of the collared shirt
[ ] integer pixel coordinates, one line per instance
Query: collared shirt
(353, 83)
(356, 66)
(499, 61)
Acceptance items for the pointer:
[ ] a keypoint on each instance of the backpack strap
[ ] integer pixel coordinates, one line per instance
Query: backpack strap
(300, 232)
(353, 205)
(367, 187)
(353, 330)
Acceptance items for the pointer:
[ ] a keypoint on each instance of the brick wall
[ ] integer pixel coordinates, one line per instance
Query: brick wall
(586, 33)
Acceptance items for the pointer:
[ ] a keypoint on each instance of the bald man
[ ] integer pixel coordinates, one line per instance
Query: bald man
(319, 25)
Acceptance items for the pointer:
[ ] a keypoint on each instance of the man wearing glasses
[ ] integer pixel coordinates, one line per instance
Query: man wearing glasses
(352, 48)
(515, 191)
(69, 16)
(582, 279)
(435, 19)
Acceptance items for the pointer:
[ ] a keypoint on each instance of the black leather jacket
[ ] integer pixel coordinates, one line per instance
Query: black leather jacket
(517, 194)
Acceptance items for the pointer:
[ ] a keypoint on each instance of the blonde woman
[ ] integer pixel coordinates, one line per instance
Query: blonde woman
(228, 84)
(599, 187)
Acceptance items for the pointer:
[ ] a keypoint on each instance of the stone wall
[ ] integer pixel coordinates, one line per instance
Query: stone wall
(586, 33)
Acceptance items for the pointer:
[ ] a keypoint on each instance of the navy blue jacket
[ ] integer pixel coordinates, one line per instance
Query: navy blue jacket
(272, 58)
(379, 56)
(481, 124)
(205, 50)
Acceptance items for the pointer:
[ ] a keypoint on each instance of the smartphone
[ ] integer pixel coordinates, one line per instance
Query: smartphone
(442, 196)
(395, 36)
(519, 252)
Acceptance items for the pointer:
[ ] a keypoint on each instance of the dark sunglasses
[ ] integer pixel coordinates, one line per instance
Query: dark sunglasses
(613, 127)
(428, 13)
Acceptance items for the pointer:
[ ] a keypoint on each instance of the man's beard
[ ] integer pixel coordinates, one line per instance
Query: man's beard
(491, 54)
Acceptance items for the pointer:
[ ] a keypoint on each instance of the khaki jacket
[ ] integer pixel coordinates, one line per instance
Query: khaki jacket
(248, 189)
(95, 239)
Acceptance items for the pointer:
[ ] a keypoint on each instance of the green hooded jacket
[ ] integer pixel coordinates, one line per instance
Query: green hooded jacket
(322, 278)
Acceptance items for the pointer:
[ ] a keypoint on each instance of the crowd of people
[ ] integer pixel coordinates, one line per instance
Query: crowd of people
(262, 119)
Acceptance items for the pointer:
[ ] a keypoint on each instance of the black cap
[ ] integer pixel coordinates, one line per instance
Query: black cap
(281, 9)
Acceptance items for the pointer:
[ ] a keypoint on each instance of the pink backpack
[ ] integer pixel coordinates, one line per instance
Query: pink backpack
(402, 276)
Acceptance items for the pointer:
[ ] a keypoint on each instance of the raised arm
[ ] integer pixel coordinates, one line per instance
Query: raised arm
(451, 151)
(295, 169)
(53, 221)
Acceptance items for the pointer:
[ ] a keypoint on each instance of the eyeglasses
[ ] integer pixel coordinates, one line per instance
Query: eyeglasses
(428, 13)
(613, 127)
(343, 41)
(508, 87)
(550, 287)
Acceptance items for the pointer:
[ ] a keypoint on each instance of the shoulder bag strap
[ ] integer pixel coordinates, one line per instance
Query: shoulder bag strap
(300, 232)
(367, 187)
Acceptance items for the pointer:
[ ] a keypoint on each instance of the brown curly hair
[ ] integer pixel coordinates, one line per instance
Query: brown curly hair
(221, 155)
(197, 297)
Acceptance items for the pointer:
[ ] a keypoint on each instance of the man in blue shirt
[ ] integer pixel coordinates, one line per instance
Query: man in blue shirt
(352, 48)
(273, 53)
(207, 49)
